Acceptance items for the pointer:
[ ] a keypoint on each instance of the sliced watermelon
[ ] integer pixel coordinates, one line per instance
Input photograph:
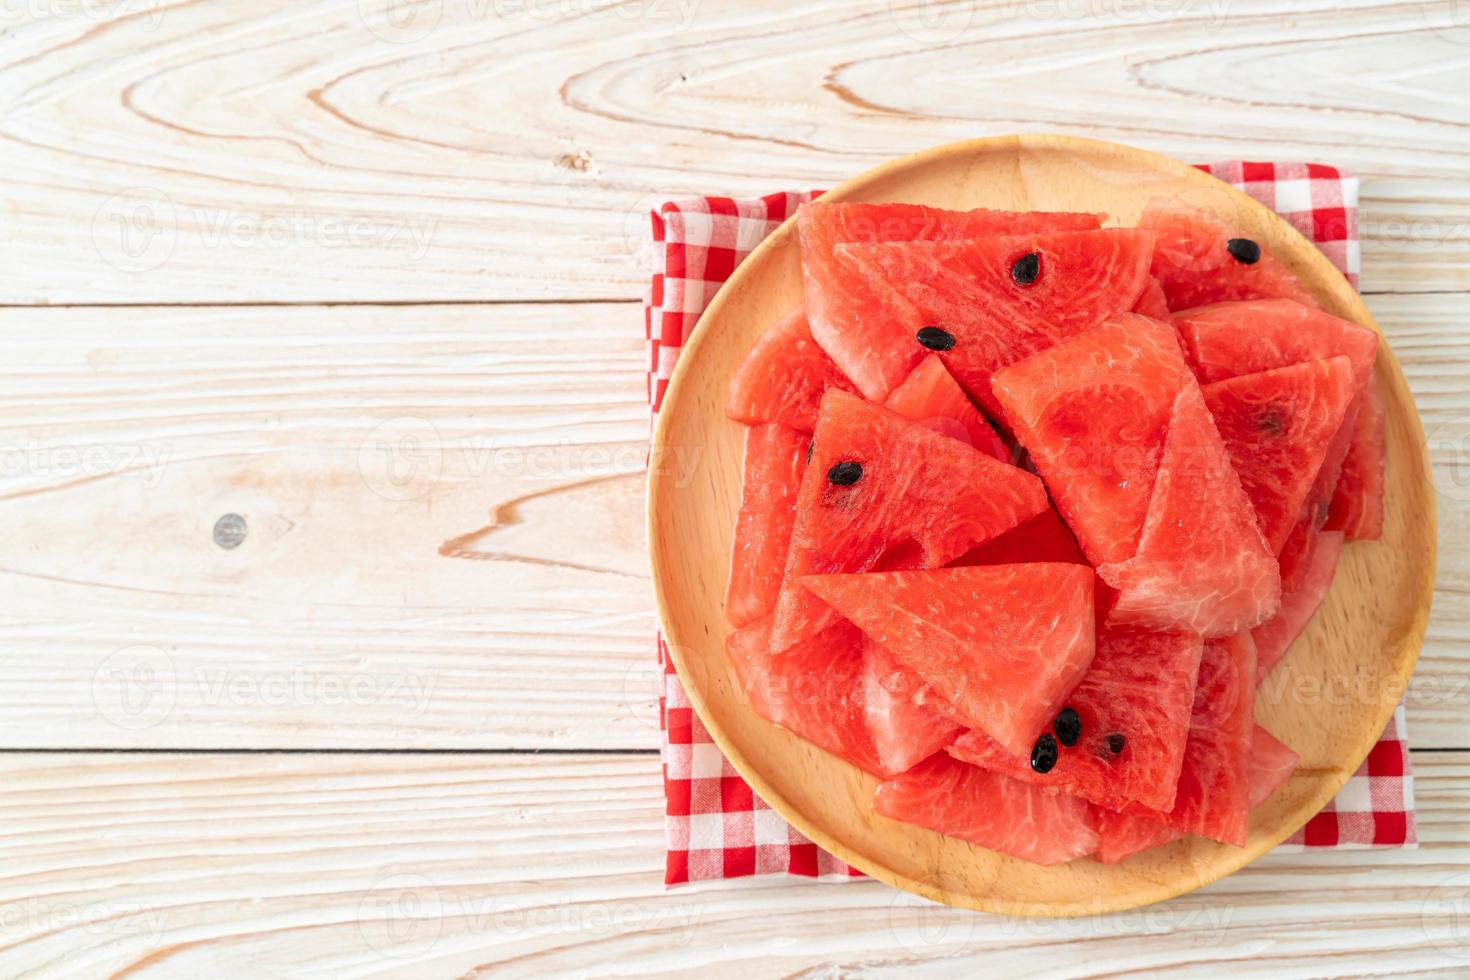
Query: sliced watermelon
(774, 459)
(1225, 340)
(1299, 602)
(920, 499)
(908, 720)
(1092, 411)
(783, 377)
(849, 312)
(1134, 705)
(1357, 504)
(988, 809)
(1121, 835)
(970, 292)
(1202, 565)
(1152, 302)
(930, 395)
(1278, 425)
(1196, 262)
(1002, 644)
(813, 689)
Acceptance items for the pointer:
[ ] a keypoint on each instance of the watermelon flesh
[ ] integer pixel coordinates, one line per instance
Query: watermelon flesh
(907, 719)
(813, 689)
(1299, 602)
(931, 396)
(774, 459)
(1092, 413)
(1001, 644)
(1278, 426)
(1122, 835)
(1193, 263)
(1357, 503)
(848, 312)
(1140, 688)
(1202, 565)
(967, 289)
(783, 377)
(986, 808)
(922, 500)
(1225, 340)
(1152, 302)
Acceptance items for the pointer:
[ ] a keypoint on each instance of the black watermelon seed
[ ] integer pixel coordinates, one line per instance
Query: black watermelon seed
(1044, 753)
(1069, 727)
(1026, 269)
(935, 338)
(1116, 742)
(1271, 422)
(809, 447)
(1244, 250)
(845, 474)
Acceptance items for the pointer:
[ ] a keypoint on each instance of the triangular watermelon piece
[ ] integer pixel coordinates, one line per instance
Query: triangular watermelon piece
(1299, 602)
(1092, 413)
(931, 396)
(849, 313)
(783, 377)
(882, 491)
(988, 809)
(813, 689)
(1044, 537)
(1134, 706)
(1121, 835)
(1202, 565)
(972, 292)
(1278, 426)
(1002, 644)
(1152, 302)
(1225, 340)
(1201, 259)
(775, 457)
(1357, 503)
(908, 719)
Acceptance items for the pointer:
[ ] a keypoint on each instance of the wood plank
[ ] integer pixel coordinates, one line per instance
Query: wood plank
(338, 623)
(169, 151)
(367, 449)
(461, 865)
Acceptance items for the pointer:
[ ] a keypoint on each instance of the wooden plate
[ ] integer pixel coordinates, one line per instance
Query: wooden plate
(1329, 701)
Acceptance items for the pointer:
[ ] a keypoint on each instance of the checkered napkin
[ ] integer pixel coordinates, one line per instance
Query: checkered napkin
(718, 828)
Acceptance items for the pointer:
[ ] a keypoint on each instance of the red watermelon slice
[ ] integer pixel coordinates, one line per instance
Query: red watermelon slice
(1202, 565)
(1225, 340)
(1134, 705)
(1357, 504)
(1092, 412)
(783, 377)
(931, 396)
(1152, 302)
(1121, 835)
(774, 459)
(986, 303)
(882, 491)
(1002, 644)
(1299, 602)
(908, 720)
(1278, 426)
(813, 689)
(848, 312)
(1200, 259)
(988, 809)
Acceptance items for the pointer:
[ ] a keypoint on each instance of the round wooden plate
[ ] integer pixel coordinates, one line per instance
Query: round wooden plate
(1329, 701)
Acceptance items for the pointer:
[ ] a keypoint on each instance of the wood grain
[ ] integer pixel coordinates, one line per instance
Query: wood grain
(316, 150)
(420, 487)
(323, 865)
(1339, 684)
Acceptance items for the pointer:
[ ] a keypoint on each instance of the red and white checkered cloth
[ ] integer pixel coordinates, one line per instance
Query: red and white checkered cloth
(718, 828)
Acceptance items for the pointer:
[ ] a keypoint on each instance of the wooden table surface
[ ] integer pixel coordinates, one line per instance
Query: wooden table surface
(365, 275)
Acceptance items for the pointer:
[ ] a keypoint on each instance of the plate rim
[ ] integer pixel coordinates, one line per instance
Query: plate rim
(1411, 641)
